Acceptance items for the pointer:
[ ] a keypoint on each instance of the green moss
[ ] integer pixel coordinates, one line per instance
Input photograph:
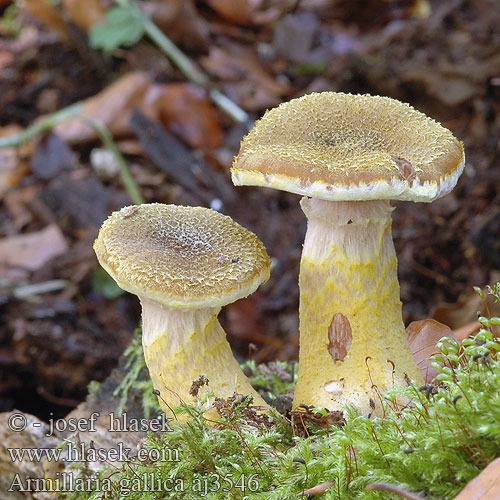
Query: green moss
(134, 365)
(434, 447)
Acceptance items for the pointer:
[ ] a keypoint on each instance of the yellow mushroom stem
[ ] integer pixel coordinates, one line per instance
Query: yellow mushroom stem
(353, 343)
(182, 344)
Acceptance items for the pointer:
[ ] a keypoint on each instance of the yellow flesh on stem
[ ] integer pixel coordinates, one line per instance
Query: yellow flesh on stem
(182, 344)
(349, 266)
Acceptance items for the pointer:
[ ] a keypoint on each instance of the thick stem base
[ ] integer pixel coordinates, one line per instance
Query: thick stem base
(180, 345)
(352, 338)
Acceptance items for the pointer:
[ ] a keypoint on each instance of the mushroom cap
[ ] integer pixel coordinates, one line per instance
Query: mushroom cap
(186, 257)
(341, 147)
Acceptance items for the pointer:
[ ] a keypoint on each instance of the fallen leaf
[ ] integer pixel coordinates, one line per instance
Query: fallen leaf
(235, 11)
(6, 58)
(86, 17)
(243, 323)
(255, 12)
(243, 78)
(183, 108)
(13, 165)
(467, 330)
(12, 170)
(294, 36)
(423, 336)
(180, 20)
(129, 147)
(112, 107)
(465, 310)
(76, 265)
(45, 12)
(486, 486)
(182, 167)
(18, 203)
(80, 201)
(186, 110)
(50, 16)
(52, 157)
(29, 252)
(452, 90)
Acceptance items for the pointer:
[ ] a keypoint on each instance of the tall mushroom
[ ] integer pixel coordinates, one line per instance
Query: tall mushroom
(349, 155)
(184, 263)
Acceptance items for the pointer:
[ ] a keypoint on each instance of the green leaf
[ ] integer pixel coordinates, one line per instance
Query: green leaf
(103, 283)
(123, 27)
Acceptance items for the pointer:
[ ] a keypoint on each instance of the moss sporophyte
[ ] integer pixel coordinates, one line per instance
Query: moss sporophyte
(443, 438)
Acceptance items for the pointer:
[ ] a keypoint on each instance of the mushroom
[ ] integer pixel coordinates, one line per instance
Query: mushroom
(184, 263)
(348, 155)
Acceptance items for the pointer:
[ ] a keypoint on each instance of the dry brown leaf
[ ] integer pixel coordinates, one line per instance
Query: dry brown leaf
(465, 310)
(112, 107)
(486, 486)
(12, 170)
(49, 15)
(6, 58)
(13, 163)
(18, 203)
(467, 330)
(451, 90)
(45, 12)
(235, 11)
(180, 20)
(29, 252)
(243, 322)
(243, 78)
(183, 108)
(294, 36)
(422, 337)
(186, 110)
(251, 11)
(84, 16)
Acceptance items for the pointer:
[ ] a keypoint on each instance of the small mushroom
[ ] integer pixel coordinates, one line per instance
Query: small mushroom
(184, 263)
(348, 155)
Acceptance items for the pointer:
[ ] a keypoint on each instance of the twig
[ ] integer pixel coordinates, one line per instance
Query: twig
(101, 130)
(173, 157)
(394, 489)
(190, 71)
(231, 108)
(128, 181)
(14, 141)
(23, 291)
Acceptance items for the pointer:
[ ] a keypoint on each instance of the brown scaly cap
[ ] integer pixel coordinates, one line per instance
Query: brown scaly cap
(181, 256)
(341, 147)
